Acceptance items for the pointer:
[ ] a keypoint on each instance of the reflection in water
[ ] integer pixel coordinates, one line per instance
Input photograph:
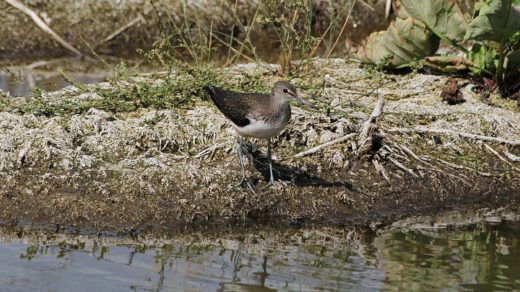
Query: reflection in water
(323, 259)
(485, 260)
(26, 82)
(20, 80)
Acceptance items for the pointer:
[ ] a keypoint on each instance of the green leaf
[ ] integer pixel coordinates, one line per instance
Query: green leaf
(405, 41)
(495, 20)
(483, 58)
(443, 17)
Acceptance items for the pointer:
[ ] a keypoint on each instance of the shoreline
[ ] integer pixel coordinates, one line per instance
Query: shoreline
(173, 168)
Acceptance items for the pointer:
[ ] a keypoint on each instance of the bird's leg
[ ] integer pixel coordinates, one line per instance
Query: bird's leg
(241, 157)
(271, 178)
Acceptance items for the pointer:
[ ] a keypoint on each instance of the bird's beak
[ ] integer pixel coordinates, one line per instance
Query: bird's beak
(303, 101)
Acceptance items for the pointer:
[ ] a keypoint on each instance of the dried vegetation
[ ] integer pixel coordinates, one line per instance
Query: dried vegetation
(363, 160)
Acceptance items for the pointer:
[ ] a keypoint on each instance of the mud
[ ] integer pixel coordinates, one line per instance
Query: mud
(177, 168)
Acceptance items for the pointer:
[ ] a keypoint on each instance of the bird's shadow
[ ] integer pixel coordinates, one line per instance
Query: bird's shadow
(290, 173)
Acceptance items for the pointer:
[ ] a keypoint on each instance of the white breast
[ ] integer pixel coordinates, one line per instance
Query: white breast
(261, 130)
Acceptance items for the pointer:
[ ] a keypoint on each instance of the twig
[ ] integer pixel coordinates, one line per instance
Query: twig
(381, 169)
(422, 130)
(370, 124)
(325, 145)
(431, 167)
(41, 63)
(136, 20)
(367, 5)
(376, 112)
(342, 29)
(511, 156)
(500, 156)
(411, 153)
(463, 167)
(208, 150)
(41, 24)
(398, 164)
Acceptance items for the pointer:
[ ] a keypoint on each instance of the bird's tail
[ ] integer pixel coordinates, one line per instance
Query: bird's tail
(210, 90)
(213, 92)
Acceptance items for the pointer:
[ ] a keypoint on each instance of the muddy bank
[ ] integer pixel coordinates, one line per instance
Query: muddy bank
(168, 168)
(118, 28)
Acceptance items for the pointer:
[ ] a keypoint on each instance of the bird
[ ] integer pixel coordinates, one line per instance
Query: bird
(257, 115)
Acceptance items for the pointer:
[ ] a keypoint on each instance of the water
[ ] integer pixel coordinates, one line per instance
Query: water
(20, 80)
(479, 258)
(49, 81)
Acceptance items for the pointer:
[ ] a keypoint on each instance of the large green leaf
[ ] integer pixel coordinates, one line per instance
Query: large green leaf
(405, 41)
(443, 17)
(495, 20)
(483, 58)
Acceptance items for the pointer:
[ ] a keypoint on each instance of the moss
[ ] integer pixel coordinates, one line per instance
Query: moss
(4, 101)
(174, 91)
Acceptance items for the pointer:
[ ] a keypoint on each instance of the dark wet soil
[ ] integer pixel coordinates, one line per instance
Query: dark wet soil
(68, 200)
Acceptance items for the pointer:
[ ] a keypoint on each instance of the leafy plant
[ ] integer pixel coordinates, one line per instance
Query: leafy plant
(492, 30)
(292, 23)
(405, 41)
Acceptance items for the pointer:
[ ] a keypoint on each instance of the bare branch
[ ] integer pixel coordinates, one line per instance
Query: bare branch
(41, 24)
(325, 145)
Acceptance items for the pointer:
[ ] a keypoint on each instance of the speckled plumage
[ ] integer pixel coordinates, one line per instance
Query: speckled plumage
(257, 115)
(264, 115)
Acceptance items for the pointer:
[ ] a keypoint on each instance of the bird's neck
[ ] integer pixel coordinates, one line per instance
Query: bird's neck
(281, 109)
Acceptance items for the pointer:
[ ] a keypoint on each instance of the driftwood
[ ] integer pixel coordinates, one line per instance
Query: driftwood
(41, 24)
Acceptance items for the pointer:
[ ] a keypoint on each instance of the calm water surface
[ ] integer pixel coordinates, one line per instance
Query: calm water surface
(480, 258)
(22, 79)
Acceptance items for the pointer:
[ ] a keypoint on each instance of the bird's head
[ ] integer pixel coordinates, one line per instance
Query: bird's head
(286, 91)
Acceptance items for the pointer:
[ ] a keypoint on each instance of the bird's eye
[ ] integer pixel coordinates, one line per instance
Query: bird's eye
(285, 90)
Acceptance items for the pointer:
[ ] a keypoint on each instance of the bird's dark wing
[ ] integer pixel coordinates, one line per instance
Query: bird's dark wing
(233, 105)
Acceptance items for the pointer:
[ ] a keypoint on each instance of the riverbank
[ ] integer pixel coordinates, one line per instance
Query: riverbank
(119, 28)
(170, 163)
